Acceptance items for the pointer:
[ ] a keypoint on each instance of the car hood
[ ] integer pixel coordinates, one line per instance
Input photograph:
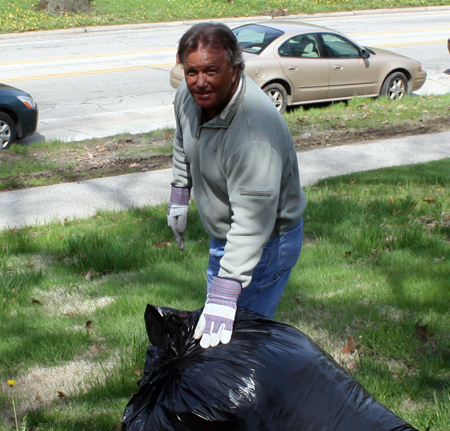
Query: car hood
(12, 90)
(386, 53)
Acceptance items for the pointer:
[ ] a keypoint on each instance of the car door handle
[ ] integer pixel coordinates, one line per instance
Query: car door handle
(292, 67)
(337, 67)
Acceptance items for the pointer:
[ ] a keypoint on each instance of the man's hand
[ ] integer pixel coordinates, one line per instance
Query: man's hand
(177, 220)
(216, 322)
(177, 212)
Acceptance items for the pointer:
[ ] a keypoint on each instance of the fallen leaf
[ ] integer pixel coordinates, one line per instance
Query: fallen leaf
(351, 365)
(61, 394)
(35, 301)
(350, 346)
(89, 274)
(138, 371)
(133, 165)
(73, 315)
(161, 244)
(422, 331)
(89, 325)
(101, 148)
(439, 259)
(30, 264)
(96, 348)
(429, 200)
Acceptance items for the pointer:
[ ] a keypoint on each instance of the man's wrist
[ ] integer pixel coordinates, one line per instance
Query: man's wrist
(180, 196)
(224, 288)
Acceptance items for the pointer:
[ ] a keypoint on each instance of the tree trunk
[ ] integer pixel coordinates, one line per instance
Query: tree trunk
(67, 6)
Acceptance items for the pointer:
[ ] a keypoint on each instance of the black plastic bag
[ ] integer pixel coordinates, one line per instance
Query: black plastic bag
(270, 377)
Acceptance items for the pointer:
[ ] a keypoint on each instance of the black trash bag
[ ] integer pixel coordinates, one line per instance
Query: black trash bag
(270, 377)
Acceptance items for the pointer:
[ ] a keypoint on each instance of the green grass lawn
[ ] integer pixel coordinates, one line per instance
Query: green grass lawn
(24, 15)
(374, 270)
(375, 267)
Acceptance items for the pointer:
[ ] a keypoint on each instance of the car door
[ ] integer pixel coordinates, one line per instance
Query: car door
(308, 71)
(350, 73)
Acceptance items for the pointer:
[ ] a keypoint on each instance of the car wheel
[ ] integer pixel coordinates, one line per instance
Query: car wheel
(278, 95)
(395, 86)
(7, 131)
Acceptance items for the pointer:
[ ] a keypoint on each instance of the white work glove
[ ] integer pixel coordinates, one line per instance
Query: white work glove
(177, 212)
(217, 319)
(177, 220)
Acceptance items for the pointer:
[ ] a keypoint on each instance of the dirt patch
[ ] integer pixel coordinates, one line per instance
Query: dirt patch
(341, 135)
(128, 153)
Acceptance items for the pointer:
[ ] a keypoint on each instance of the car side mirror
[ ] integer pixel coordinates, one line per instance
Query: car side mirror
(365, 53)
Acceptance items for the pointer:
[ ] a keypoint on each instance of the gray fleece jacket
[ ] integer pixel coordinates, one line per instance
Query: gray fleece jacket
(243, 168)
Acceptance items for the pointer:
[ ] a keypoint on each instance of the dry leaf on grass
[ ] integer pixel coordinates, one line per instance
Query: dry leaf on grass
(350, 347)
(89, 274)
(422, 331)
(62, 395)
(96, 348)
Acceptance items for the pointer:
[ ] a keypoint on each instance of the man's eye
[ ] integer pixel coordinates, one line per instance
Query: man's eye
(212, 72)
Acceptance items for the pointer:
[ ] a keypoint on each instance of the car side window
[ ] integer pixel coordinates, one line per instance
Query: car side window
(302, 46)
(339, 47)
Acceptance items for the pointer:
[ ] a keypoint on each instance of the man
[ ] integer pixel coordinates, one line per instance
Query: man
(236, 152)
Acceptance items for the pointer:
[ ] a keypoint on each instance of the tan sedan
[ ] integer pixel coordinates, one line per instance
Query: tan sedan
(297, 63)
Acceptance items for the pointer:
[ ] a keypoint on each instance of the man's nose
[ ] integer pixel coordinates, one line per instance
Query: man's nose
(201, 80)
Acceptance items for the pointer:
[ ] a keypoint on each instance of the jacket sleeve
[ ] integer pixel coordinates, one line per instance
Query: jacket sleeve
(181, 167)
(254, 178)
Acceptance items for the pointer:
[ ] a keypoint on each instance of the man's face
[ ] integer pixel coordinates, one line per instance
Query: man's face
(210, 78)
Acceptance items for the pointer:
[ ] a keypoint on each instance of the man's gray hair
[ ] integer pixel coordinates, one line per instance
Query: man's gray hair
(210, 34)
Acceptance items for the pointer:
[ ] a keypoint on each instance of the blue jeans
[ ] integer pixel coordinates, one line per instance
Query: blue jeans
(271, 274)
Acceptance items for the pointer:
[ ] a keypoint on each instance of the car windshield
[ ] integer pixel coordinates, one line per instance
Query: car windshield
(255, 38)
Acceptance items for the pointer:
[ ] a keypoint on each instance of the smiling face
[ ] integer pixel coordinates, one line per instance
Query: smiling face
(210, 78)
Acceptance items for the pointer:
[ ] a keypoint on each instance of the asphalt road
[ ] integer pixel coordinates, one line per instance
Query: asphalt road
(100, 81)
(85, 198)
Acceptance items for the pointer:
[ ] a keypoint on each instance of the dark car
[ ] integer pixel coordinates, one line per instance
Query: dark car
(18, 115)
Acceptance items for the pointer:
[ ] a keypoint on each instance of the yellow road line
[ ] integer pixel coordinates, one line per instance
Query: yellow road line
(111, 54)
(85, 72)
(126, 69)
(434, 42)
(423, 30)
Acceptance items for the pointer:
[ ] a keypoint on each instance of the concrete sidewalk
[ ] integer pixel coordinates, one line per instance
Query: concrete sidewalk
(83, 199)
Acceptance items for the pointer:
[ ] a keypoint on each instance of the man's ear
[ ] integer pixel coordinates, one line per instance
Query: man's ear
(236, 72)
(178, 59)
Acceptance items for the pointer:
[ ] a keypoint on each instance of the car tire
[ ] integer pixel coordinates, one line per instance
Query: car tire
(7, 131)
(278, 95)
(395, 86)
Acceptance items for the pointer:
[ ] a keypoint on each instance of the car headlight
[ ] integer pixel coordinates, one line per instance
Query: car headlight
(27, 101)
